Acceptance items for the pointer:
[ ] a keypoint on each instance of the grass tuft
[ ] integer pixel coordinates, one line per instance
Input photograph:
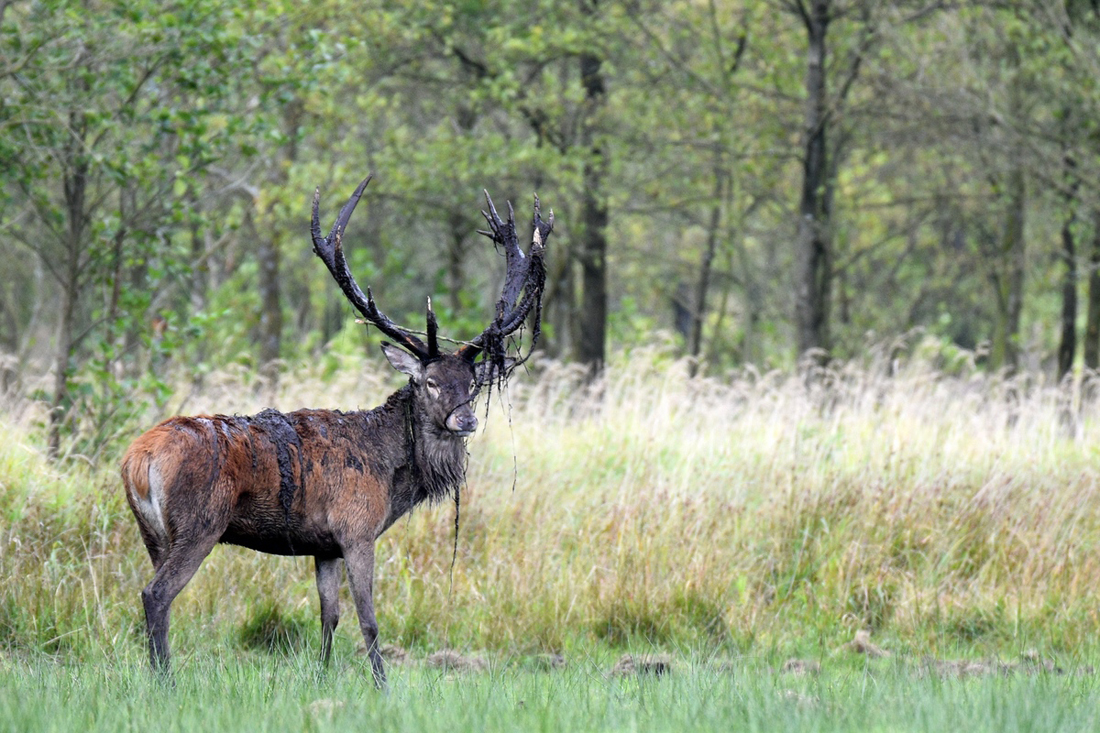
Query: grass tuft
(270, 629)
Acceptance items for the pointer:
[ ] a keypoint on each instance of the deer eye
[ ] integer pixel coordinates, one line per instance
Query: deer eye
(433, 387)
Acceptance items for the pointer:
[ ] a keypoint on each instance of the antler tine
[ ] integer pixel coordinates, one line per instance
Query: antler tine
(433, 331)
(331, 251)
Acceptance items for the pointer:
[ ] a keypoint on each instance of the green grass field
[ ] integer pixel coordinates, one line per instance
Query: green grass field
(729, 524)
(276, 693)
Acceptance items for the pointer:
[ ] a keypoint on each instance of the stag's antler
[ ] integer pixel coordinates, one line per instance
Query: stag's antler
(525, 274)
(331, 250)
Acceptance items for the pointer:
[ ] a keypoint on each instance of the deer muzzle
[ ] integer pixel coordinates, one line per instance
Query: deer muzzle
(462, 422)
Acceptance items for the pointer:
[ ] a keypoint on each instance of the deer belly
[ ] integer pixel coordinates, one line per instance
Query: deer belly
(285, 540)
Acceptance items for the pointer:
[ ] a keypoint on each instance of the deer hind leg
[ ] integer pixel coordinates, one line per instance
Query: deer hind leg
(155, 544)
(178, 566)
(360, 563)
(328, 588)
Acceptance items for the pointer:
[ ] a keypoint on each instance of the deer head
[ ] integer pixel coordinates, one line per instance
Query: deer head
(447, 383)
(445, 389)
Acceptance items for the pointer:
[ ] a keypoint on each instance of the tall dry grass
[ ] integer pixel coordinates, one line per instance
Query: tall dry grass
(749, 513)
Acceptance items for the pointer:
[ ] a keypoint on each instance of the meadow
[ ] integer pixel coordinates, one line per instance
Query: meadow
(741, 529)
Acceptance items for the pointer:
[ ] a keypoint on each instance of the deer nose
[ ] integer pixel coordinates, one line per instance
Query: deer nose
(463, 422)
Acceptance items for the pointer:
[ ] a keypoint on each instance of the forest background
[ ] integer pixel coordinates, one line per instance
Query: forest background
(749, 182)
(821, 331)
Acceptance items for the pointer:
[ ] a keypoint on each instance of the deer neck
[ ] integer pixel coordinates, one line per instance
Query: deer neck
(427, 462)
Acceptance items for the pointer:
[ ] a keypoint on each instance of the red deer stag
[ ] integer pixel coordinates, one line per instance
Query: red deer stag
(323, 482)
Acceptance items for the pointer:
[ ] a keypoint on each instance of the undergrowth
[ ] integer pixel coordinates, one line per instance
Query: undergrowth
(754, 514)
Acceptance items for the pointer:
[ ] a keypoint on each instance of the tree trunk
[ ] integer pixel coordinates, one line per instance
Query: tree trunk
(456, 255)
(706, 264)
(1067, 348)
(559, 342)
(59, 405)
(813, 256)
(200, 267)
(592, 326)
(1006, 351)
(591, 346)
(268, 256)
(136, 328)
(75, 189)
(1092, 324)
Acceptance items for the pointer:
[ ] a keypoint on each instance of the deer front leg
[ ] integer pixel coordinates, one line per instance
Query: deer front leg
(328, 588)
(360, 563)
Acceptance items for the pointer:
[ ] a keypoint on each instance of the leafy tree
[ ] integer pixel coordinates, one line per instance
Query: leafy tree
(114, 106)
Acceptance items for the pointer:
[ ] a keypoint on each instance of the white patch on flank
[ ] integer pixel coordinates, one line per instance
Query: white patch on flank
(152, 507)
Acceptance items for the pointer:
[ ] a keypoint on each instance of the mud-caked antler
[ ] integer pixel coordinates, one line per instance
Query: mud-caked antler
(520, 298)
(525, 274)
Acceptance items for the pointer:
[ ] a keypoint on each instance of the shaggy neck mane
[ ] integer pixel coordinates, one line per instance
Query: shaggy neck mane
(435, 458)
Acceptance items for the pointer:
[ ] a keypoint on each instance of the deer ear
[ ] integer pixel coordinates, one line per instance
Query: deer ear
(404, 362)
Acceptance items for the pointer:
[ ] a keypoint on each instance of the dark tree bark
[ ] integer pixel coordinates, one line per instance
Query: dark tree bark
(1010, 284)
(592, 323)
(271, 310)
(1067, 347)
(268, 255)
(1092, 324)
(139, 282)
(199, 280)
(702, 285)
(59, 405)
(74, 187)
(456, 257)
(813, 258)
(561, 297)
(9, 345)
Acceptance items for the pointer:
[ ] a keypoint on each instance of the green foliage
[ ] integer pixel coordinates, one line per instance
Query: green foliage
(118, 107)
(201, 127)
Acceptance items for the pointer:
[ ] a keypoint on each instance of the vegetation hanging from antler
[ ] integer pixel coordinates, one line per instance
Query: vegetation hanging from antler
(526, 274)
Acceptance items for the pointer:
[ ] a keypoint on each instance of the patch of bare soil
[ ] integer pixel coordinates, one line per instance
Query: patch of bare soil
(654, 664)
(862, 645)
(793, 696)
(392, 653)
(1030, 663)
(964, 667)
(548, 662)
(452, 661)
(800, 667)
(325, 707)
